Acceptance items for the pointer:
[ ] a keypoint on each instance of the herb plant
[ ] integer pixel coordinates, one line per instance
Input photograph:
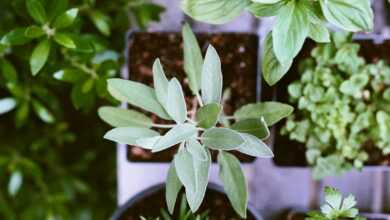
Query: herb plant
(343, 107)
(336, 207)
(295, 21)
(198, 131)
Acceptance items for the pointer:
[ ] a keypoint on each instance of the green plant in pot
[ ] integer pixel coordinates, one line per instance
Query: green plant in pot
(296, 20)
(343, 114)
(198, 131)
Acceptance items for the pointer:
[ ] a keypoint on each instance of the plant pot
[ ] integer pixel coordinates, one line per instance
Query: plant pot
(148, 203)
(372, 48)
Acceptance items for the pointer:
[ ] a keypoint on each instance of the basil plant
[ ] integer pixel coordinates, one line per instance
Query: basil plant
(343, 104)
(296, 20)
(197, 130)
(336, 207)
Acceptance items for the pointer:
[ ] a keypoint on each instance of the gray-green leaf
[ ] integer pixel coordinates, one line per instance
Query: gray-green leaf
(39, 56)
(193, 60)
(196, 149)
(271, 111)
(265, 10)
(254, 147)
(136, 94)
(129, 135)
(211, 77)
(208, 115)
(254, 126)
(234, 182)
(119, 117)
(222, 139)
(160, 82)
(173, 187)
(177, 134)
(176, 104)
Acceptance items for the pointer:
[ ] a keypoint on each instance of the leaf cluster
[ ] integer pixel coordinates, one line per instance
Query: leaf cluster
(343, 107)
(198, 130)
(296, 20)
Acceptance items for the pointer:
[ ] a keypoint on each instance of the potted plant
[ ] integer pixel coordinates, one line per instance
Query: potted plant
(216, 206)
(199, 129)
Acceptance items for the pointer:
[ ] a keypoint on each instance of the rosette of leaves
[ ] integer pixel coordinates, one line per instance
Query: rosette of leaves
(343, 107)
(336, 207)
(198, 130)
(296, 20)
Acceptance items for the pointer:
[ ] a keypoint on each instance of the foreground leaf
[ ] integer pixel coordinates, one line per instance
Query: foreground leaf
(254, 126)
(207, 116)
(211, 77)
(172, 189)
(176, 104)
(39, 56)
(160, 83)
(15, 37)
(119, 117)
(234, 182)
(66, 19)
(177, 134)
(254, 147)
(36, 10)
(221, 139)
(129, 135)
(64, 40)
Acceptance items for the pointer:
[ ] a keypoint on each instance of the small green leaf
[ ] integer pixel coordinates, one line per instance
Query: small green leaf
(42, 112)
(144, 97)
(101, 22)
(234, 182)
(350, 15)
(64, 40)
(221, 139)
(266, 10)
(254, 147)
(34, 32)
(211, 77)
(177, 134)
(39, 56)
(129, 135)
(196, 149)
(271, 111)
(173, 186)
(8, 71)
(68, 75)
(254, 126)
(160, 82)
(7, 104)
(66, 19)
(319, 33)
(272, 69)
(36, 10)
(184, 166)
(214, 11)
(119, 117)
(193, 60)
(176, 104)
(15, 37)
(15, 182)
(207, 116)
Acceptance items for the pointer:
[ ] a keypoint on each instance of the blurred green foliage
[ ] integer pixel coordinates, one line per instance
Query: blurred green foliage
(55, 57)
(343, 103)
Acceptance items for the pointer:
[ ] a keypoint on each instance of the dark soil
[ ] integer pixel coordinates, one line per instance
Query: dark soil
(238, 54)
(292, 153)
(215, 203)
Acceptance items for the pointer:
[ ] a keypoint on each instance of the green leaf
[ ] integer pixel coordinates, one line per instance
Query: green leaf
(136, 94)
(34, 32)
(234, 182)
(196, 149)
(15, 182)
(272, 69)
(254, 147)
(119, 117)
(214, 11)
(207, 116)
(101, 21)
(177, 134)
(36, 10)
(68, 75)
(56, 8)
(7, 104)
(173, 186)
(290, 30)
(15, 37)
(9, 72)
(350, 15)
(64, 40)
(146, 13)
(129, 135)
(254, 126)
(39, 56)
(221, 139)
(319, 33)
(266, 10)
(66, 19)
(160, 82)
(193, 60)
(271, 111)
(211, 77)
(42, 112)
(176, 104)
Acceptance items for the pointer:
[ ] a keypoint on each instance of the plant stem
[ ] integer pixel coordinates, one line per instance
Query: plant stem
(163, 126)
(199, 99)
(229, 117)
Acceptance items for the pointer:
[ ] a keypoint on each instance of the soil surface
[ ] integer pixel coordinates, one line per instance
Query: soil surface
(238, 54)
(292, 153)
(215, 203)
